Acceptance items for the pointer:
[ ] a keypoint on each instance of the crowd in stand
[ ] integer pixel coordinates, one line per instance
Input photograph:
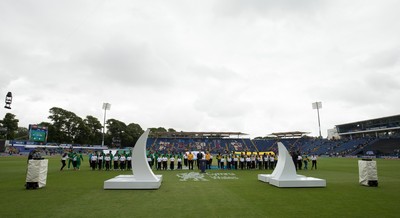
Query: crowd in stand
(318, 146)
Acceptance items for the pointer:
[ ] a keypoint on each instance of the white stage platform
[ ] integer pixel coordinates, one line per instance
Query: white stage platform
(143, 177)
(285, 174)
(131, 182)
(301, 181)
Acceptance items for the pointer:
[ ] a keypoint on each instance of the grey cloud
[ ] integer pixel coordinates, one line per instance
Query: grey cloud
(218, 73)
(254, 64)
(383, 83)
(221, 94)
(354, 92)
(220, 105)
(127, 63)
(388, 58)
(266, 7)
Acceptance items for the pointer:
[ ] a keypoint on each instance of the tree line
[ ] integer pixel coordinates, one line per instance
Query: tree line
(66, 127)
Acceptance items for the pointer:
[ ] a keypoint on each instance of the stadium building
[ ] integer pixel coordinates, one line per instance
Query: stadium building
(383, 134)
(377, 128)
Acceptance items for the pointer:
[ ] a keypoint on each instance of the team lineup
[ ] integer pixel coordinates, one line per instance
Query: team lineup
(122, 160)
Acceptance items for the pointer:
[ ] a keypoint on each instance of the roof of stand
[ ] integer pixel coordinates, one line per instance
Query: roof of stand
(196, 134)
(294, 134)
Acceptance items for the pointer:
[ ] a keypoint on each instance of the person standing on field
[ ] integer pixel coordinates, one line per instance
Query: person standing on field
(74, 160)
(219, 160)
(185, 159)
(159, 162)
(93, 161)
(129, 161)
(100, 160)
(107, 160)
(266, 161)
(248, 162)
(271, 162)
(122, 161)
(241, 161)
(63, 160)
(305, 161)
(150, 161)
(115, 160)
(79, 160)
(313, 161)
(179, 162)
(208, 157)
(165, 162)
(172, 162)
(222, 163)
(199, 157)
(190, 160)
(235, 161)
(228, 162)
(299, 161)
(70, 157)
(260, 162)
(111, 158)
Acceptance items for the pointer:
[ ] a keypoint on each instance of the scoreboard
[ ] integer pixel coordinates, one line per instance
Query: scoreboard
(38, 133)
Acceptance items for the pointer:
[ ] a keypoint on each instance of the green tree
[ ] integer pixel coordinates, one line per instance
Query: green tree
(10, 125)
(67, 126)
(171, 130)
(115, 132)
(51, 131)
(81, 132)
(22, 133)
(133, 132)
(154, 131)
(94, 125)
(159, 129)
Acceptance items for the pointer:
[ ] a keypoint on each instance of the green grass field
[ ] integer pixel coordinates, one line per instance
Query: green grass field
(80, 194)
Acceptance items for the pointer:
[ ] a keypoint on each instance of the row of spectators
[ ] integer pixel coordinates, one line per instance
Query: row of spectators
(306, 145)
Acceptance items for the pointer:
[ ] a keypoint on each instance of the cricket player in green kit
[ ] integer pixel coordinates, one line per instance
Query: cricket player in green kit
(70, 157)
(79, 160)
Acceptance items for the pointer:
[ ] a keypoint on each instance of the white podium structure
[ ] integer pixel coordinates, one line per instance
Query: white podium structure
(143, 177)
(285, 174)
(37, 173)
(368, 174)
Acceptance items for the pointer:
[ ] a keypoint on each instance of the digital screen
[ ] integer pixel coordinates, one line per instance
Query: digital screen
(37, 133)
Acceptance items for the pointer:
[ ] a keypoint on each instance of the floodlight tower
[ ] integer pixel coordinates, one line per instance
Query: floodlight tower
(318, 105)
(8, 100)
(106, 106)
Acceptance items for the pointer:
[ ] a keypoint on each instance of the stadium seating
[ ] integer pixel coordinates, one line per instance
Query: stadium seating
(304, 145)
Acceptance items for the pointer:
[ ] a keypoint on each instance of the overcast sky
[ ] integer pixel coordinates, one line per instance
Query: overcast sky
(253, 66)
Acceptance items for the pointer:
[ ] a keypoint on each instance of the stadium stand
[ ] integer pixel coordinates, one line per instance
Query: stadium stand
(389, 146)
(304, 145)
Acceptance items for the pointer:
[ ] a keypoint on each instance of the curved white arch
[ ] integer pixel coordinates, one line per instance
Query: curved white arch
(140, 166)
(285, 174)
(143, 177)
(285, 168)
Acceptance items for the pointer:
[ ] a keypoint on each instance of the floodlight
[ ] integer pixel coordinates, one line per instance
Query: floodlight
(318, 105)
(8, 100)
(106, 106)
